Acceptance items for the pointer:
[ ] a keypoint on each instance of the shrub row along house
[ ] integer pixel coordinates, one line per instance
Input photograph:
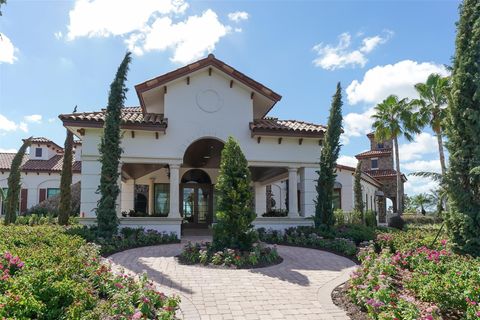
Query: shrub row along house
(171, 153)
(40, 171)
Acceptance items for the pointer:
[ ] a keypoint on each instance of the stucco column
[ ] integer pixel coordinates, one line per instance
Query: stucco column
(260, 199)
(174, 191)
(292, 193)
(151, 195)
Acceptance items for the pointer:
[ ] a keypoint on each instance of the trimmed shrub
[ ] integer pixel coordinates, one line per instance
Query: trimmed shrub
(396, 222)
(370, 218)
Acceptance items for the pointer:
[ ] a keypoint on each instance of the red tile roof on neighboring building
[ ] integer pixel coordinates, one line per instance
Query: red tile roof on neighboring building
(374, 153)
(384, 173)
(45, 141)
(132, 117)
(352, 169)
(275, 126)
(54, 164)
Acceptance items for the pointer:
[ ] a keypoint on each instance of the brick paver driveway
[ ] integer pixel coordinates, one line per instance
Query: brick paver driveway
(298, 288)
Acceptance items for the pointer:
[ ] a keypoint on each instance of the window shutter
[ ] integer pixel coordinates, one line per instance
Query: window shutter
(42, 195)
(23, 200)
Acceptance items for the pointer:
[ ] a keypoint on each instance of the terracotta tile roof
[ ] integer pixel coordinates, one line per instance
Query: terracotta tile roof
(384, 173)
(352, 169)
(210, 60)
(289, 127)
(374, 153)
(131, 117)
(42, 140)
(54, 164)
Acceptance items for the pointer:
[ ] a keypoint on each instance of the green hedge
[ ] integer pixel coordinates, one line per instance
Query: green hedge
(55, 275)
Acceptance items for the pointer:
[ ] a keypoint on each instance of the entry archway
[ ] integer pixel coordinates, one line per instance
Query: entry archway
(196, 199)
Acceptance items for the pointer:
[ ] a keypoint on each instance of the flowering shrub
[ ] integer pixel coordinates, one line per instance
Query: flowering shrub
(48, 274)
(204, 253)
(127, 239)
(400, 277)
(307, 237)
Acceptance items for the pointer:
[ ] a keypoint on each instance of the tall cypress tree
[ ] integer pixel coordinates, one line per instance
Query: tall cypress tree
(110, 153)
(66, 180)
(235, 215)
(14, 184)
(328, 162)
(357, 189)
(463, 132)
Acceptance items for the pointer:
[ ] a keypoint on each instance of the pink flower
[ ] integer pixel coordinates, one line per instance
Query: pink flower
(137, 315)
(478, 313)
(119, 285)
(443, 242)
(145, 299)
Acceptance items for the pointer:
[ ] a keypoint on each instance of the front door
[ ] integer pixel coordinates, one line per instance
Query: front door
(196, 204)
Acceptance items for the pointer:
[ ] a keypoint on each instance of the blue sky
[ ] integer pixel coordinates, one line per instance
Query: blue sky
(58, 54)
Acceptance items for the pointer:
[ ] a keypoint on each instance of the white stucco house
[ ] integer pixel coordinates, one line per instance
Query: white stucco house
(172, 144)
(40, 171)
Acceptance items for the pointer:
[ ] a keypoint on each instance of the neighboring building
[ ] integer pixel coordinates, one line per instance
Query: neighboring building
(40, 171)
(378, 163)
(172, 142)
(344, 197)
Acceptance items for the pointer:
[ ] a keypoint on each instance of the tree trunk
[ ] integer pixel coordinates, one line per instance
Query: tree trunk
(440, 152)
(399, 179)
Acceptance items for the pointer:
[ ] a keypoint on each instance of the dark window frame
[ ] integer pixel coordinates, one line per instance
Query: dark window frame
(38, 152)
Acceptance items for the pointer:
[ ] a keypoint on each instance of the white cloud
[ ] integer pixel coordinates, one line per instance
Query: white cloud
(58, 35)
(2, 150)
(398, 78)
(7, 50)
(150, 25)
(50, 120)
(238, 16)
(423, 165)
(103, 18)
(424, 143)
(189, 39)
(416, 185)
(357, 124)
(347, 161)
(33, 118)
(342, 56)
(9, 125)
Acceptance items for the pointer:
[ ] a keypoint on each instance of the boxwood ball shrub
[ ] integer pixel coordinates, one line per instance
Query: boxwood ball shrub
(46, 273)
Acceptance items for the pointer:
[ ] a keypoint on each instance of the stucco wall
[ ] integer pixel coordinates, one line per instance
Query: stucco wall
(34, 182)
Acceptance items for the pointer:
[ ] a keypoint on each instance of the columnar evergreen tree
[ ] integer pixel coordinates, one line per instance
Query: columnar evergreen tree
(235, 215)
(110, 153)
(357, 189)
(66, 180)
(328, 161)
(14, 184)
(463, 132)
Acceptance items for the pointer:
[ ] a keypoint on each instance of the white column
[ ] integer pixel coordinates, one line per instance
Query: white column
(292, 193)
(174, 191)
(151, 195)
(260, 199)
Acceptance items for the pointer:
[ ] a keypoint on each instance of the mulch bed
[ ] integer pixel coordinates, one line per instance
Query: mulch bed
(341, 300)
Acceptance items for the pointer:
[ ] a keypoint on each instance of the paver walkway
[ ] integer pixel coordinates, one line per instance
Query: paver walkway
(298, 288)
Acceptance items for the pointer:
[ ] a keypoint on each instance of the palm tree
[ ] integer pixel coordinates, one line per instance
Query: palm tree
(422, 200)
(432, 107)
(394, 118)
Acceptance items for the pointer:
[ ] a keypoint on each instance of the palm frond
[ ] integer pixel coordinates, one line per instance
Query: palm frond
(431, 175)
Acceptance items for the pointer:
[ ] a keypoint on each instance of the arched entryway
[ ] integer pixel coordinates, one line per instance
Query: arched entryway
(196, 185)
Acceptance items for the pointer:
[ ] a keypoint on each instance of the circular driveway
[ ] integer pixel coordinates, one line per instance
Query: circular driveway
(298, 288)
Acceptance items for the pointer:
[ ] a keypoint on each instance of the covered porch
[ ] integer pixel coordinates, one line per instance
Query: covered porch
(178, 195)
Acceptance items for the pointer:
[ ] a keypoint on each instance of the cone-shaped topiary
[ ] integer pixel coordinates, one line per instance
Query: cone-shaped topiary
(463, 132)
(14, 184)
(234, 214)
(328, 162)
(110, 153)
(66, 180)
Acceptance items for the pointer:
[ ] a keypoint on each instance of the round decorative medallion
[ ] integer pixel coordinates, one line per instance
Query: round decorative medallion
(209, 100)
